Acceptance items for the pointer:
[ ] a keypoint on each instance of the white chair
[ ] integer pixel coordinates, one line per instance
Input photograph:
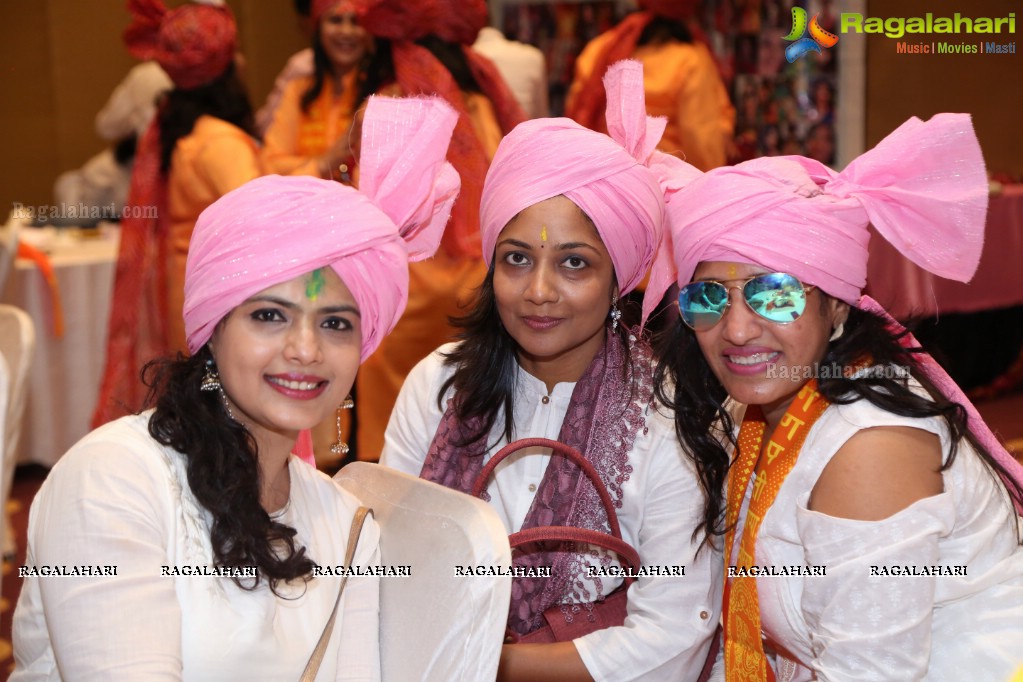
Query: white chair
(435, 625)
(4, 395)
(8, 246)
(17, 342)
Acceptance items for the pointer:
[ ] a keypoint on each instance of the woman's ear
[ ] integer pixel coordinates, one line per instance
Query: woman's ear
(839, 312)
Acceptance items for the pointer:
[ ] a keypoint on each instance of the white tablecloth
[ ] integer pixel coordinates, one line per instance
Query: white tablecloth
(65, 375)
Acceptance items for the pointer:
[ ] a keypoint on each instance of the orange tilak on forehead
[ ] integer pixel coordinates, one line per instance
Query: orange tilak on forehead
(732, 271)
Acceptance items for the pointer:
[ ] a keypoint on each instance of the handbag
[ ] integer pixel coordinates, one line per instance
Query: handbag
(313, 666)
(592, 616)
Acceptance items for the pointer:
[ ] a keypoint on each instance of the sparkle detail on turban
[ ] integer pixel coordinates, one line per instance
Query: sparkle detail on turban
(615, 179)
(275, 228)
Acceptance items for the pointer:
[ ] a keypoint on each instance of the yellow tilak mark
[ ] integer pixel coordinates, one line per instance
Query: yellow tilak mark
(543, 233)
(732, 271)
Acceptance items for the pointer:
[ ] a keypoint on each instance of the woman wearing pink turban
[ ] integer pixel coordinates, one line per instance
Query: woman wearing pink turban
(290, 284)
(570, 222)
(867, 512)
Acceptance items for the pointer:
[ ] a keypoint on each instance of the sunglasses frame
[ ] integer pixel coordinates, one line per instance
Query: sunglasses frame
(805, 288)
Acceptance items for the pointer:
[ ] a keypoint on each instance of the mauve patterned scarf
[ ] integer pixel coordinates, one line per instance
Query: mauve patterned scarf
(606, 412)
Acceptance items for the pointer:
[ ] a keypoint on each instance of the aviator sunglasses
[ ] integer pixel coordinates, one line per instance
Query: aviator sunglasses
(776, 297)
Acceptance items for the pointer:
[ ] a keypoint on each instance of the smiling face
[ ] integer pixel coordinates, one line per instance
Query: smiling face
(288, 355)
(554, 282)
(344, 41)
(755, 359)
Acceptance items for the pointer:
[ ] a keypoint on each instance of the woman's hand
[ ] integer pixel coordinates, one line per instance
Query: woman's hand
(558, 662)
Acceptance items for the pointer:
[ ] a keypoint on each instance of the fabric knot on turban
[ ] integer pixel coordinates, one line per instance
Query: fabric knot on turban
(619, 181)
(923, 188)
(193, 43)
(275, 228)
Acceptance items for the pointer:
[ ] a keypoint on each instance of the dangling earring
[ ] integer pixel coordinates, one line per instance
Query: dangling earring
(211, 379)
(839, 330)
(616, 314)
(339, 447)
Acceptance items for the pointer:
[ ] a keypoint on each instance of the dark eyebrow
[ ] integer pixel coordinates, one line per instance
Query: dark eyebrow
(558, 247)
(288, 305)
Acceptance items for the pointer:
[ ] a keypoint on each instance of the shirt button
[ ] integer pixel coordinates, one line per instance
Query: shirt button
(532, 487)
(546, 399)
(704, 615)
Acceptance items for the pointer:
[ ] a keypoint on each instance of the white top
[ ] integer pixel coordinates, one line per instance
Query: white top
(670, 620)
(132, 104)
(522, 66)
(118, 498)
(852, 625)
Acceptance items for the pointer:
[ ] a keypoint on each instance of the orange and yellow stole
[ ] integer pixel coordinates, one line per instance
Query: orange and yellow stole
(744, 648)
(328, 117)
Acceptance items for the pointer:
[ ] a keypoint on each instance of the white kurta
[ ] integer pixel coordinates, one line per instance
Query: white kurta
(119, 498)
(855, 623)
(670, 620)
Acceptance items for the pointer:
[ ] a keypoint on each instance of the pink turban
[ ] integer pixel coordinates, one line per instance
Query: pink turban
(924, 189)
(274, 228)
(615, 180)
(193, 43)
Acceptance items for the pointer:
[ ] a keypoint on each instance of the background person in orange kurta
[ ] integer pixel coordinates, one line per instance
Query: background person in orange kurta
(487, 110)
(310, 132)
(198, 148)
(681, 81)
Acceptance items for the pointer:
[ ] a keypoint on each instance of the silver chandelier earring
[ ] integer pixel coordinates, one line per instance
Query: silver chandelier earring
(339, 447)
(211, 379)
(616, 314)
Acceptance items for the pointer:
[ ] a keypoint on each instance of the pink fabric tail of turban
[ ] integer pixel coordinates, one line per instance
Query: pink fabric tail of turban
(616, 181)
(274, 228)
(924, 188)
(951, 390)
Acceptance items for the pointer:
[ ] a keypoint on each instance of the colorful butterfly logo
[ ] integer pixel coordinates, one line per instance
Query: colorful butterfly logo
(817, 39)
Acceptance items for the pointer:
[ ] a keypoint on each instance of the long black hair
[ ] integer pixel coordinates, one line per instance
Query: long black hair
(224, 97)
(486, 362)
(453, 58)
(664, 30)
(685, 383)
(376, 69)
(223, 474)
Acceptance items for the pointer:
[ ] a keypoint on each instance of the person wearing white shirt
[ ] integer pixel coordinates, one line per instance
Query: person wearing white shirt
(522, 66)
(543, 354)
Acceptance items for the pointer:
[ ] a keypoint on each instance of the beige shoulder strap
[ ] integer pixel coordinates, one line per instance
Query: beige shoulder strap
(313, 666)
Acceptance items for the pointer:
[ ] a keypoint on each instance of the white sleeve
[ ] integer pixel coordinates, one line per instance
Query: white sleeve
(107, 505)
(867, 626)
(132, 104)
(671, 620)
(416, 416)
(359, 653)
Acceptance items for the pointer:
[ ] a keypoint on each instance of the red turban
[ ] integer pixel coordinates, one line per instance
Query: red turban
(194, 43)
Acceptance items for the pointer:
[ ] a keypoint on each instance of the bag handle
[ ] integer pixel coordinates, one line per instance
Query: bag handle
(313, 666)
(613, 542)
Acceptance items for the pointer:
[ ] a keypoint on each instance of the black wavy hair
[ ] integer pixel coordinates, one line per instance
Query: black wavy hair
(223, 474)
(685, 383)
(224, 97)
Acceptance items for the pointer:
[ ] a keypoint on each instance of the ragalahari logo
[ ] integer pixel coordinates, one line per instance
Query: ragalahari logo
(817, 39)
